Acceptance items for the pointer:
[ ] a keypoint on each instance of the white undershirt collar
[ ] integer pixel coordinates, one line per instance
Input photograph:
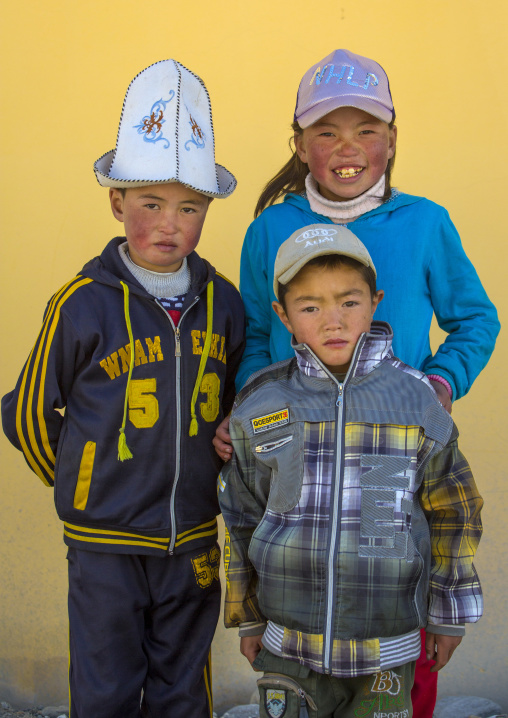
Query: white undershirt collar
(349, 210)
(158, 284)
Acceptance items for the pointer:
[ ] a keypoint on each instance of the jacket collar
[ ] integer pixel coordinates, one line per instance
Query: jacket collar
(371, 349)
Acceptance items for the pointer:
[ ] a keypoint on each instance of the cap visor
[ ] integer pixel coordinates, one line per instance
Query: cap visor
(361, 103)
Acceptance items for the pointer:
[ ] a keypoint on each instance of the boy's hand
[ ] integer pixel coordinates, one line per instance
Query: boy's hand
(222, 440)
(250, 647)
(442, 395)
(440, 649)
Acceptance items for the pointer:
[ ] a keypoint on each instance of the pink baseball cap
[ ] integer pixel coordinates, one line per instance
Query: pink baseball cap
(343, 79)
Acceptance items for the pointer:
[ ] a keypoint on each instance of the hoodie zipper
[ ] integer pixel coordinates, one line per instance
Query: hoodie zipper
(178, 356)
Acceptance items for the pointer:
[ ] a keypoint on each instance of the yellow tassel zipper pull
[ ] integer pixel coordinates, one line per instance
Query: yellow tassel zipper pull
(193, 430)
(123, 450)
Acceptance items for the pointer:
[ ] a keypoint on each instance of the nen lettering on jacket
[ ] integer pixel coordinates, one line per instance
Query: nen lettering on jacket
(385, 512)
(149, 350)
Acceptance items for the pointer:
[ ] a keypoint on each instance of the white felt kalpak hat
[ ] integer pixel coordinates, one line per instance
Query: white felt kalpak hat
(166, 135)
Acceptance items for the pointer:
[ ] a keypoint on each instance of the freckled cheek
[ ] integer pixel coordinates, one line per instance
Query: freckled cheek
(192, 233)
(379, 157)
(322, 155)
(139, 230)
(316, 154)
(364, 325)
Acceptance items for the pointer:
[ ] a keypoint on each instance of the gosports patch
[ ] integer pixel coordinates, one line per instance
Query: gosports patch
(270, 421)
(275, 702)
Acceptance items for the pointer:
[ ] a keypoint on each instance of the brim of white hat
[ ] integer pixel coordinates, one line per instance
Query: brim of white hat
(226, 181)
(322, 108)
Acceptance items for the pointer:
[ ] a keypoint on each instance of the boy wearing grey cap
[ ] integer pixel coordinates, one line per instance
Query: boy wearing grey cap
(352, 516)
(141, 350)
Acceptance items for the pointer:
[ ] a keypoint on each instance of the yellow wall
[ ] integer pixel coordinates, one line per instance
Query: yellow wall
(65, 67)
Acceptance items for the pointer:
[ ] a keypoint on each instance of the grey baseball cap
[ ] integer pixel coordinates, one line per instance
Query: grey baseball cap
(312, 241)
(343, 79)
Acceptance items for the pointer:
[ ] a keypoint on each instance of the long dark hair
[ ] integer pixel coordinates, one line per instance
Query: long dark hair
(291, 177)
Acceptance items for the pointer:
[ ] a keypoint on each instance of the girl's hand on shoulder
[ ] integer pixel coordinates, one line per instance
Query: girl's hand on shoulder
(442, 395)
(222, 440)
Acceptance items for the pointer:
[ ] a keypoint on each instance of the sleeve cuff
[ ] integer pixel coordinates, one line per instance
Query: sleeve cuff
(442, 380)
(446, 630)
(251, 628)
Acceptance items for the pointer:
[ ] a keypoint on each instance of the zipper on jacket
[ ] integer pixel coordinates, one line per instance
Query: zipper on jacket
(176, 477)
(337, 503)
(335, 531)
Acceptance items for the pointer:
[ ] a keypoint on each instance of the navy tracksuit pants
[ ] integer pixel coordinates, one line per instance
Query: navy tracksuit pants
(142, 625)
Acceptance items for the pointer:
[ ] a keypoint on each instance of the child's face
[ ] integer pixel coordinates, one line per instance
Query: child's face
(328, 309)
(162, 222)
(347, 152)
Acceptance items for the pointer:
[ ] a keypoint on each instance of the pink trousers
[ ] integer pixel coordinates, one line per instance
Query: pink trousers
(424, 692)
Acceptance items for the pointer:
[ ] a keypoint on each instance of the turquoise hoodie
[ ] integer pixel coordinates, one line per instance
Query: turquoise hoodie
(420, 264)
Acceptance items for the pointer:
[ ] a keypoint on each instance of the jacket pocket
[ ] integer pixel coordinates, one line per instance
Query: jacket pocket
(282, 452)
(273, 445)
(84, 476)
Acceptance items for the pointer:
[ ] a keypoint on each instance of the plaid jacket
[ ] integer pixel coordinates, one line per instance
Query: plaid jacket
(352, 516)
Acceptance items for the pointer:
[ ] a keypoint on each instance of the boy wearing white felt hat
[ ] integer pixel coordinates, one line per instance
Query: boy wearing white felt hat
(141, 349)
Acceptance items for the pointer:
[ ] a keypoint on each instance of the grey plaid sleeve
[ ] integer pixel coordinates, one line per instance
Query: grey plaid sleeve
(242, 502)
(452, 504)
